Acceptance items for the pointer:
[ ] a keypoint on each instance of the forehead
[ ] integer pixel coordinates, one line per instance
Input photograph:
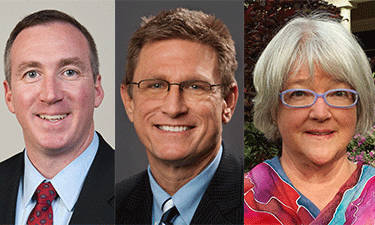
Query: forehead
(306, 75)
(176, 59)
(48, 42)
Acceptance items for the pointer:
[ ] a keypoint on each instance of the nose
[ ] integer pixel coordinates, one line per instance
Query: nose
(320, 111)
(50, 90)
(174, 103)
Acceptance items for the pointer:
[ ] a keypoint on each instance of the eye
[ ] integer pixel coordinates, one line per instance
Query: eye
(31, 74)
(70, 73)
(197, 86)
(298, 93)
(340, 94)
(156, 85)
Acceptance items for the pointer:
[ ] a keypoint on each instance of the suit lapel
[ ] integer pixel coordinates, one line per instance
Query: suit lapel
(136, 206)
(96, 200)
(12, 171)
(222, 202)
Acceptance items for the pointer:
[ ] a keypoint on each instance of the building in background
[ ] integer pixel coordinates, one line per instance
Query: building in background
(359, 18)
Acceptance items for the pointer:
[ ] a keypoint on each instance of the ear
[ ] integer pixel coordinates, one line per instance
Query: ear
(8, 96)
(128, 101)
(230, 102)
(99, 92)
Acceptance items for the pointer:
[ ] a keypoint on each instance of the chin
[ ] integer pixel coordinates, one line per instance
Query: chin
(322, 160)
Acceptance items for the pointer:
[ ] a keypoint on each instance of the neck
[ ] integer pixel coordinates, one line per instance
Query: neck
(319, 183)
(49, 162)
(320, 173)
(172, 176)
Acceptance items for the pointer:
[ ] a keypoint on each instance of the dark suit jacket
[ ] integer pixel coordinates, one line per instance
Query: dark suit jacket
(222, 203)
(96, 201)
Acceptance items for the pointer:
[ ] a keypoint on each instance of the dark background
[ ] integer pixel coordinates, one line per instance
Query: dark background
(131, 155)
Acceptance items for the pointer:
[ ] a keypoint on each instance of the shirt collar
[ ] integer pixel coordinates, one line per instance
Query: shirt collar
(187, 198)
(67, 183)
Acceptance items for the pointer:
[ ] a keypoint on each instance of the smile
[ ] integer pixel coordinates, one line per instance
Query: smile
(320, 133)
(174, 128)
(53, 118)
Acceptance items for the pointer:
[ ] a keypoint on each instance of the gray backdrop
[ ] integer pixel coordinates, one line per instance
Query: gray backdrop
(130, 153)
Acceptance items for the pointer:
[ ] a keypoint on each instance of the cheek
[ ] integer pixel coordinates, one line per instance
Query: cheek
(348, 120)
(144, 110)
(290, 120)
(84, 95)
(23, 98)
(210, 106)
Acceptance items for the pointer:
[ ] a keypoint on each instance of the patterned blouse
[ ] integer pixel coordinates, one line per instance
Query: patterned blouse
(270, 198)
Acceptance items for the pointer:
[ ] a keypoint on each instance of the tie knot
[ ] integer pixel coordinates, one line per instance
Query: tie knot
(170, 212)
(45, 193)
(168, 204)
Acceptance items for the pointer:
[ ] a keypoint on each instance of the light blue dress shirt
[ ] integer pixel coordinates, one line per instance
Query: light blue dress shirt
(187, 198)
(67, 183)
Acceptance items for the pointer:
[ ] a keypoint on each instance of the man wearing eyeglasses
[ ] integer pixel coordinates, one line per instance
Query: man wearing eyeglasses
(179, 88)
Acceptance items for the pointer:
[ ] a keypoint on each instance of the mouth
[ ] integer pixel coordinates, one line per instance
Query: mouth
(174, 128)
(52, 118)
(320, 133)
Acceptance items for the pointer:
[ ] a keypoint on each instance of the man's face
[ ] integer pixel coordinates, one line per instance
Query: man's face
(176, 127)
(52, 92)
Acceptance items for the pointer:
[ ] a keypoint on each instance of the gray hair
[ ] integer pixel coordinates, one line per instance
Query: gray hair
(314, 40)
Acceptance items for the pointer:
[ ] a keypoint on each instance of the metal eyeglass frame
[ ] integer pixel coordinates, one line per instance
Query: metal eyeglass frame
(324, 95)
(179, 84)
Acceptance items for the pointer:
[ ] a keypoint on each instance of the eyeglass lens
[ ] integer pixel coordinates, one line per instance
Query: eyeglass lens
(158, 88)
(336, 97)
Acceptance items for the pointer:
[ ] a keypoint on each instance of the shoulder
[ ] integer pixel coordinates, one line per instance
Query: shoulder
(368, 170)
(231, 159)
(227, 179)
(102, 170)
(11, 171)
(8, 164)
(105, 157)
(229, 174)
(127, 186)
(263, 175)
(103, 144)
(134, 200)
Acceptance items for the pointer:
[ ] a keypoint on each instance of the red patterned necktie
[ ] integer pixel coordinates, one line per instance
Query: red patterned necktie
(42, 212)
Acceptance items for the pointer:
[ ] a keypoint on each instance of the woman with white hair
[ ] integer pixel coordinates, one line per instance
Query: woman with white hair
(315, 91)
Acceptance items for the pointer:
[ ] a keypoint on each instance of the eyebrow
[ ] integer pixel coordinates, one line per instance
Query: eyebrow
(72, 61)
(63, 62)
(191, 77)
(25, 65)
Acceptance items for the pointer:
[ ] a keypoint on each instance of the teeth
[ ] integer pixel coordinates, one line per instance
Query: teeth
(53, 118)
(174, 128)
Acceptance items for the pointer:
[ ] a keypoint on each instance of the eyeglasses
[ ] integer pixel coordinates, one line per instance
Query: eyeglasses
(190, 88)
(302, 98)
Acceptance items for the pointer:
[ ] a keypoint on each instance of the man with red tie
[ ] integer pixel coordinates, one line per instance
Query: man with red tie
(66, 173)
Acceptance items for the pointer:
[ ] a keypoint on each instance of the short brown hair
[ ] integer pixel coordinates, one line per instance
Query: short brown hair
(45, 17)
(190, 25)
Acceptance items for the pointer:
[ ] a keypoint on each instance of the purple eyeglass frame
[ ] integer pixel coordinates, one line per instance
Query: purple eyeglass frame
(324, 95)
